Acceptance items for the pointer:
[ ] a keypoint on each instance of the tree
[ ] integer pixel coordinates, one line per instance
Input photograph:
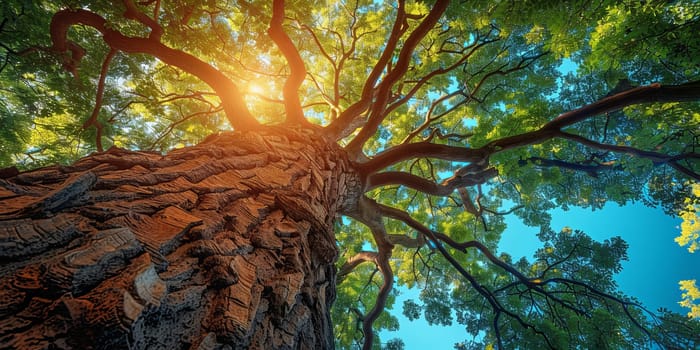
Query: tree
(420, 134)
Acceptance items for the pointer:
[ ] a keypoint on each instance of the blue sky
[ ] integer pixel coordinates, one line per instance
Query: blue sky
(656, 263)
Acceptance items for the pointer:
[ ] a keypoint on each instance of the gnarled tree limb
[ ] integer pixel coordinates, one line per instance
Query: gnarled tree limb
(426, 186)
(354, 261)
(642, 94)
(533, 284)
(290, 91)
(552, 129)
(346, 122)
(231, 98)
(367, 212)
(377, 113)
(656, 157)
(92, 120)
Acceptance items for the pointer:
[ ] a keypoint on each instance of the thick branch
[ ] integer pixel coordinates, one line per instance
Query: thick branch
(422, 150)
(377, 113)
(345, 124)
(468, 203)
(657, 158)
(132, 12)
(465, 154)
(426, 186)
(234, 105)
(406, 241)
(368, 213)
(643, 94)
(406, 179)
(354, 261)
(290, 91)
(92, 120)
(591, 169)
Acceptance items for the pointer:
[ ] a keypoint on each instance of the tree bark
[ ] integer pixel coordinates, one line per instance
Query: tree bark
(225, 245)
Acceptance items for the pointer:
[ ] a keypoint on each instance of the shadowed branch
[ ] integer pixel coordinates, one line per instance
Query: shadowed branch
(656, 157)
(536, 285)
(92, 120)
(349, 119)
(642, 94)
(354, 261)
(367, 212)
(552, 129)
(377, 114)
(420, 184)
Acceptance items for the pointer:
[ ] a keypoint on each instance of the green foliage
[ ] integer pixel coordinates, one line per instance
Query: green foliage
(651, 32)
(497, 69)
(690, 227)
(411, 309)
(691, 293)
(567, 254)
(676, 331)
(394, 344)
(28, 93)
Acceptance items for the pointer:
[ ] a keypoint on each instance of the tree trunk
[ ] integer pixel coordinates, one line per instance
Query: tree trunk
(225, 245)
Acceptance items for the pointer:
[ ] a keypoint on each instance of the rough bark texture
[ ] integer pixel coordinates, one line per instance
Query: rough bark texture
(225, 245)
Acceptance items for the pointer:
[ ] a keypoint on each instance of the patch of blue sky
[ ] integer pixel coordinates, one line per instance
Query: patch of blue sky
(654, 267)
(655, 263)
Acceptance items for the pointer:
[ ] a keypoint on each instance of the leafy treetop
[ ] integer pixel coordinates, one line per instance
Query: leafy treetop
(456, 114)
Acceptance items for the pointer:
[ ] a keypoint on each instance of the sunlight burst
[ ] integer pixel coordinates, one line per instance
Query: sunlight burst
(256, 89)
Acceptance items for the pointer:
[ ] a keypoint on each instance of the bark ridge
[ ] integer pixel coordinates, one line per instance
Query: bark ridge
(225, 245)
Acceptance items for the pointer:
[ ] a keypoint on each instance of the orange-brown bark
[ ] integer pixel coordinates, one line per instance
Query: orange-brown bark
(228, 242)
(290, 92)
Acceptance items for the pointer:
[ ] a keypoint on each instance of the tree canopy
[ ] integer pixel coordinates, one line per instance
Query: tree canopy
(456, 115)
